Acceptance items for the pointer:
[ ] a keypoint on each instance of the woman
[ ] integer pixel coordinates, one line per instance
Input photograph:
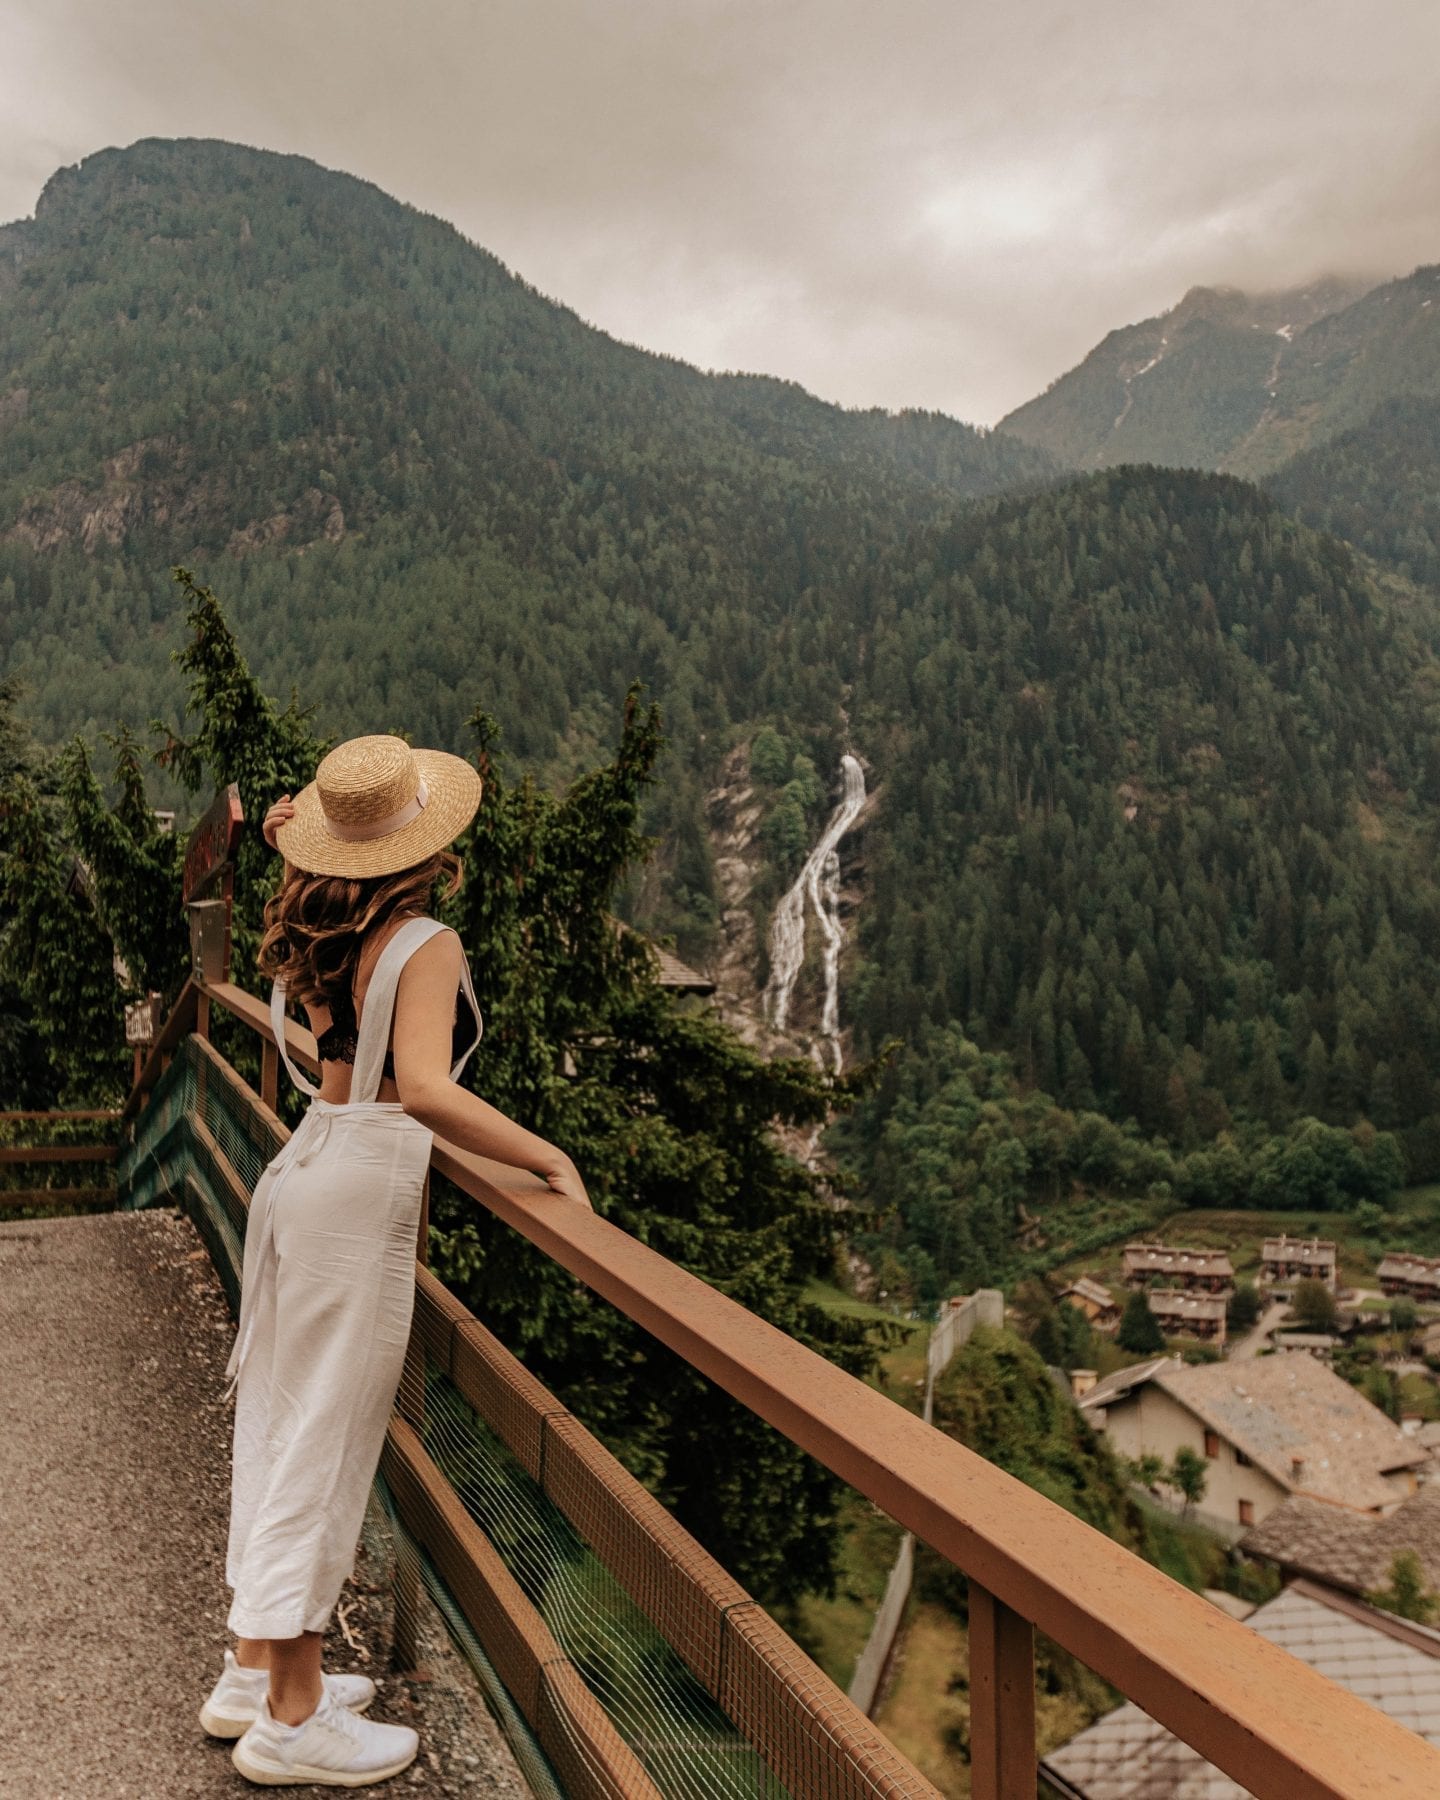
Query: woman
(328, 1280)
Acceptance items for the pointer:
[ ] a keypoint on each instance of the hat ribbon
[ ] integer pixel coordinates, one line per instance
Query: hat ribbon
(355, 834)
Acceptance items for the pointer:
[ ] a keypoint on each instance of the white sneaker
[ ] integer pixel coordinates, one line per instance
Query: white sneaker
(334, 1747)
(234, 1701)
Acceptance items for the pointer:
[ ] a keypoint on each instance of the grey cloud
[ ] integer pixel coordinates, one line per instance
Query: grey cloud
(920, 203)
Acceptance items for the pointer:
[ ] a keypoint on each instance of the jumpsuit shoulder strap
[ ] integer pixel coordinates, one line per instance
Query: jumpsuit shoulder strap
(277, 1023)
(379, 1005)
(468, 987)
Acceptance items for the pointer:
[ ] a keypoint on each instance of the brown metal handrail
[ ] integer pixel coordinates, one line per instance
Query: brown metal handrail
(1271, 1722)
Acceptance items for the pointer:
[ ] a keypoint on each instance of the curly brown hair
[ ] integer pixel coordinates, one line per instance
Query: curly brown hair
(315, 924)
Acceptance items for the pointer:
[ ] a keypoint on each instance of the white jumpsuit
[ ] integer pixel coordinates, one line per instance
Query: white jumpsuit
(327, 1292)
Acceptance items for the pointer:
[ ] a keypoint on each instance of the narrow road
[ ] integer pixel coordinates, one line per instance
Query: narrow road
(1258, 1336)
(114, 1501)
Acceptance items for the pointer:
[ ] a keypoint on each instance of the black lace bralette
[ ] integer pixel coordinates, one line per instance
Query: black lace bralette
(340, 1038)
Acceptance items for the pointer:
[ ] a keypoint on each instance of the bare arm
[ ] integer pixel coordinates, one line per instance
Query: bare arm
(424, 1006)
(281, 811)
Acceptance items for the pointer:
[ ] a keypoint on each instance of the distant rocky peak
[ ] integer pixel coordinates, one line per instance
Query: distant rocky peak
(1284, 311)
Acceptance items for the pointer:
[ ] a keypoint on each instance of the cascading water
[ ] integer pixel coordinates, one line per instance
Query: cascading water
(819, 881)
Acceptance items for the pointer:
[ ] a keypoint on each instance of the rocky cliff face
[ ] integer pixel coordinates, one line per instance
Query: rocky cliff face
(152, 484)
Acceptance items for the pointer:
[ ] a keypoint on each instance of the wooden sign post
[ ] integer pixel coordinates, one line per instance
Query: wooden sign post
(209, 890)
(142, 1024)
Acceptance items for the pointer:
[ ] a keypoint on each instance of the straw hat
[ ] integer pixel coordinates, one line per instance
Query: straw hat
(376, 806)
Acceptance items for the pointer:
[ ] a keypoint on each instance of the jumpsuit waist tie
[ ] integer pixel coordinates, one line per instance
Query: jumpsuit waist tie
(305, 1143)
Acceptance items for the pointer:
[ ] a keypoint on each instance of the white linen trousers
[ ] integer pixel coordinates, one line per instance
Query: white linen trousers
(327, 1293)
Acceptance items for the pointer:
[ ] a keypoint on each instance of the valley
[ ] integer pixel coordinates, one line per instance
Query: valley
(1054, 809)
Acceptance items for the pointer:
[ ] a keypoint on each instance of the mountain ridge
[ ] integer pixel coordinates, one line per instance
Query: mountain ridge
(1210, 364)
(1159, 763)
(167, 196)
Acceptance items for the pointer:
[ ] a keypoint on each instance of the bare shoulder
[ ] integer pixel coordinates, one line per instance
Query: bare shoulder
(438, 958)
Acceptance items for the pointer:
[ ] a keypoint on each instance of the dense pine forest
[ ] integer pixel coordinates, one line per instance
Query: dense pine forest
(420, 474)
(1148, 905)
(1376, 485)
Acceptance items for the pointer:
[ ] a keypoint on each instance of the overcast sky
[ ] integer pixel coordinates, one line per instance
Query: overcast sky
(896, 202)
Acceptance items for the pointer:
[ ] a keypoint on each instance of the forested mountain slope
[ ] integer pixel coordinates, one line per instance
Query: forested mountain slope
(226, 357)
(1155, 769)
(1183, 388)
(1162, 772)
(1232, 381)
(1377, 484)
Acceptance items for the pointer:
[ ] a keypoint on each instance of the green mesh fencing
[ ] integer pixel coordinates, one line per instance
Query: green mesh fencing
(687, 1745)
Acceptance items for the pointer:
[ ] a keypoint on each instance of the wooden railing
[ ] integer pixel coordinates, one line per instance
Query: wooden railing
(13, 1156)
(1272, 1723)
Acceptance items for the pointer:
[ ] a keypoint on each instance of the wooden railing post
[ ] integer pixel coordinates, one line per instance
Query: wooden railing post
(1276, 1726)
(422, 1236)
(269, 1072)
(410, 1403)
(1002, 1700)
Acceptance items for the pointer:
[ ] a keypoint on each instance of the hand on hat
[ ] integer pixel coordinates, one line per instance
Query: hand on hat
(283, 809)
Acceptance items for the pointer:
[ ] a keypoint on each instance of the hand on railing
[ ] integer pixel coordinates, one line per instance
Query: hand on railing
(563, 1178)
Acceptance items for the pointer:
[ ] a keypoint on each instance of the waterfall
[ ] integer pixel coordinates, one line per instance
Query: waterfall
(819, 881)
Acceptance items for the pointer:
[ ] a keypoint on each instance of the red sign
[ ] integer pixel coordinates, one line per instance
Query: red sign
(213, 841)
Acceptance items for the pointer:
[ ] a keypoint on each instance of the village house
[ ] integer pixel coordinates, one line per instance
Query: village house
(1347, 1550)
(1094, 1301)
(1188, 1315)
(1387, 1661)
(1287, 1259)
(1417, 1276)
(1208, 1271)
(1280, 1425)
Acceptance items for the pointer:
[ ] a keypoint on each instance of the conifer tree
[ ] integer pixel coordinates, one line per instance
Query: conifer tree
(1139, 1331)
(670, 1116)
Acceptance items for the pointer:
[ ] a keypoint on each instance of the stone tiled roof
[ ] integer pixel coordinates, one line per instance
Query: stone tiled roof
(671, 972)
(1175, 1303)
(1120, 1382)
(1393, 1665)
(1298, 1250)
(1089, 1290)
(1166, 1259)
(676, 974)
(1348, 1549)
(1400, 1265)
(1301, 1423)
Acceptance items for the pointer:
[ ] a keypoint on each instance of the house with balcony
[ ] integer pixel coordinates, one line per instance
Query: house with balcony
(1415, 1276)
(1280, 1425)
(1203, 1271)
(1182, 1314)
(1284, 1260)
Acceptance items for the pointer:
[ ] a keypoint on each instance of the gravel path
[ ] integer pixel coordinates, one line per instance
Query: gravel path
(114, 1496)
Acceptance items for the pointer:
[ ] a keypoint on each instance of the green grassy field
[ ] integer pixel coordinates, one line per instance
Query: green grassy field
(902, 1374)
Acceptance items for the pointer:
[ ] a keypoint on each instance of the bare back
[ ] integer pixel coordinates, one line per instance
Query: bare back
(335, 1076)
